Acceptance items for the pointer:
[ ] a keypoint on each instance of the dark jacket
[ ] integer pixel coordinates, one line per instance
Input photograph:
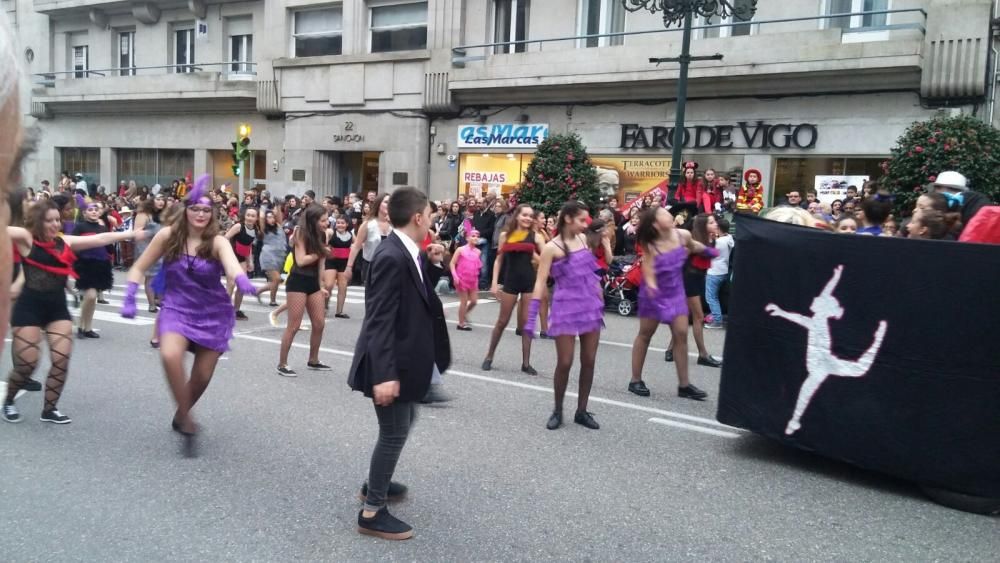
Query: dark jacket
(485, 222)
(450, 226)
(972, 202)
(404, 333)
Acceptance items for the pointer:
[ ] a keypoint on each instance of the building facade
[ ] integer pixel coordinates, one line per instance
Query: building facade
(453, 95)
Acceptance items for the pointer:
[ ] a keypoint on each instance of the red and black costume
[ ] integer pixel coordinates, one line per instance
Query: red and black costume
(43, 299)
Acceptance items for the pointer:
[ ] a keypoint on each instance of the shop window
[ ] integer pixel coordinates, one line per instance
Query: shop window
(735, 30)
(820, 173)
(399, 27)
(510, 24)
(184, 50)
(598, 17)
(496, 173)
(126, 53)
(240, 56)
(847, 7)
(318, 32)
(86, 161)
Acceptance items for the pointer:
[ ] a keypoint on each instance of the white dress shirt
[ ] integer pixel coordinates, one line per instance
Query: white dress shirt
(414, 251)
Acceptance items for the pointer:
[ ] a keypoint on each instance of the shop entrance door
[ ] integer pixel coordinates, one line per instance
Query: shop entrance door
(342, 172)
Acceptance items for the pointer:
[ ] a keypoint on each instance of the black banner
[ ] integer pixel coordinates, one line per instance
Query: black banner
(882, 352)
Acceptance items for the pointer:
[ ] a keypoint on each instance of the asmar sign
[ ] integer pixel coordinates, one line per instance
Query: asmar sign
(502, 135)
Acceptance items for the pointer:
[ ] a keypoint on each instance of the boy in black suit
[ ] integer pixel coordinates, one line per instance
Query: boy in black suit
(403, 340)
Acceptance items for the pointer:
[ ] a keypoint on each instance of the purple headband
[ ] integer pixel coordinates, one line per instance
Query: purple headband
(197, 193)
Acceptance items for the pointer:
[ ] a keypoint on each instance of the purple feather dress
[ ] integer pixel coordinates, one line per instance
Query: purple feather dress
(577, 301)
(670, 300)
(195, 304)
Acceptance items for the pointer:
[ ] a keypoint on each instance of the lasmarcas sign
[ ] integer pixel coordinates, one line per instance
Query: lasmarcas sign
(505, 135)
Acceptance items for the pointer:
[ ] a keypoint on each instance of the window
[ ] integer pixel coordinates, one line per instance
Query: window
(735, 30)
(81, 61)
(318, 32)
(399, 27)
(126, 53)
(835, 7)
(801, 174)
(511, 24)
(240, 39)
(598, 17)
(184, 50)
(86, 161)
(153, 166)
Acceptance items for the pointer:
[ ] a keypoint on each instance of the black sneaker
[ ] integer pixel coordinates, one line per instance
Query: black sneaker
(487, 364)
(286, 371)
(395, 493)
(241, 316)
(639, 388)
(318, 366)
(10, 413)
(31, 385)
(55, 417)
(80, 333)
(555, 421)
(668, 356)
(710, 361)
(384, 525)
(691, 392)
(103, 302)
(586, 419)
(529, 370)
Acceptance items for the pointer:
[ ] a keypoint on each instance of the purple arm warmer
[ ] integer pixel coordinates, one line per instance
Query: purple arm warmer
(128, 306)
(244, 285)
(529, 324)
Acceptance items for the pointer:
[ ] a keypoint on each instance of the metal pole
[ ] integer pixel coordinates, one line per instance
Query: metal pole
(682, 88)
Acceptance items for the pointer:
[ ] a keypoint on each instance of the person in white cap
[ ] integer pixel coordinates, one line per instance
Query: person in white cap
(954, 186)
(81, 184)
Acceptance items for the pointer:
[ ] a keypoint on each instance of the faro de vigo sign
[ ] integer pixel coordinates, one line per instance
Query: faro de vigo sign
(502, 135)
(745, 135)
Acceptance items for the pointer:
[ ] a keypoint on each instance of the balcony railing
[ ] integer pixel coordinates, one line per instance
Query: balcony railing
(460, 54)
(245, 71)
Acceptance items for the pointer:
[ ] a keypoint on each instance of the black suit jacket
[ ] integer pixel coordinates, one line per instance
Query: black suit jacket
(404, 333)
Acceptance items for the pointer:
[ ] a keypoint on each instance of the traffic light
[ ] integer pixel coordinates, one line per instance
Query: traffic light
(243, 141)
(241, 147)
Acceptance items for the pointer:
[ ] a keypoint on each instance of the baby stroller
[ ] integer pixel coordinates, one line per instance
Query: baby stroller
(621, 285)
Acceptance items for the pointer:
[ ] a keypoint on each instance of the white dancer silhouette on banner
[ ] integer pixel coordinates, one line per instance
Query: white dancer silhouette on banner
(820, 359)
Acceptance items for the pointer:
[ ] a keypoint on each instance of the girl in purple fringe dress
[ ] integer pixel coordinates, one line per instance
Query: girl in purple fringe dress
(577, 308)
(465, 267)
(196, 315)
(665, 249)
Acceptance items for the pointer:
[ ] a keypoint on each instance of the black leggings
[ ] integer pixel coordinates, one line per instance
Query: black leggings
(394, 422)
(564, 362)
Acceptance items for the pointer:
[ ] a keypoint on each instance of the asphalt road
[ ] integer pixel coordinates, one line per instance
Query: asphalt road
(282, 459)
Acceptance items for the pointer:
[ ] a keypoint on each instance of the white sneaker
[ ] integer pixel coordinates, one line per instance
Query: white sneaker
(273, 318)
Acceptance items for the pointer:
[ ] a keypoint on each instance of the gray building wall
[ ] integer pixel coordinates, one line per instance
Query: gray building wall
(861, 89)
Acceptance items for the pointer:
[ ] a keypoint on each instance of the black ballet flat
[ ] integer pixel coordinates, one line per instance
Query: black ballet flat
(342, 316)
(529, 370)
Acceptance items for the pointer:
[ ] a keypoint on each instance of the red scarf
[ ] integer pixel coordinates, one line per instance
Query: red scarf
(63, 256)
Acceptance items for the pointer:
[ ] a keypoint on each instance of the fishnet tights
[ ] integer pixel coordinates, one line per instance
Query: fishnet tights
(27, 350)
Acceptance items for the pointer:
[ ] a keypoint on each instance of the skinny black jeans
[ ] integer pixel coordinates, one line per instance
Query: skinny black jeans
(394, 422)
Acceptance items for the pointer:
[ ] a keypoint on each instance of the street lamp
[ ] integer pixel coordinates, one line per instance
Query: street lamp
(682, 12)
